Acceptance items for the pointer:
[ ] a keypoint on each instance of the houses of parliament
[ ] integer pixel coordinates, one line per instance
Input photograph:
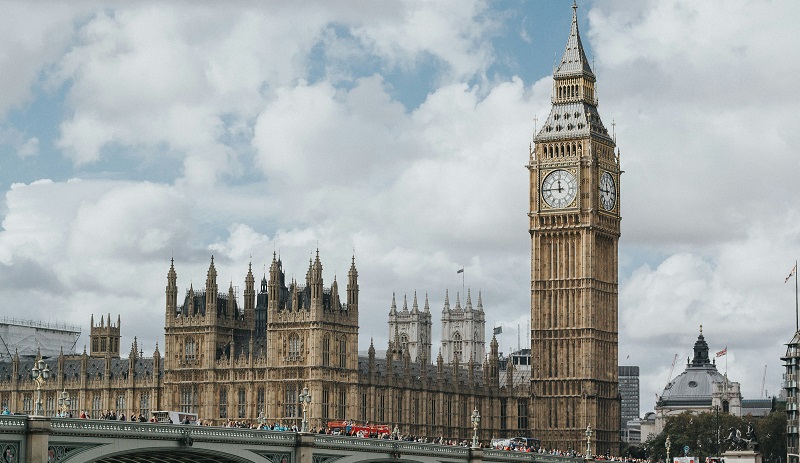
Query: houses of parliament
(226, 358)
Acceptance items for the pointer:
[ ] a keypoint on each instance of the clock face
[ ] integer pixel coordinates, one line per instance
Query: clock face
(559, 188)
(608, 191)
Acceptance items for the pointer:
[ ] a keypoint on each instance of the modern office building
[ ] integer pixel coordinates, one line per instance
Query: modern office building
(629, 394)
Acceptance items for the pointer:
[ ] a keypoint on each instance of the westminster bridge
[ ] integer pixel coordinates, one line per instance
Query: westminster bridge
(25, 439)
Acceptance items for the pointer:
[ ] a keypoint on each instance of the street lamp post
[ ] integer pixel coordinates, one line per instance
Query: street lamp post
(476, 420)
(63, 403)
(40, 373)
(716, 419)
(589, 441)
(667, 445)
(305, 399)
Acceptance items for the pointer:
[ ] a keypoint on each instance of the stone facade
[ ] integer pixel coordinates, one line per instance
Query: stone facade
(226, 361)
(219, 364)
(410, 330)
(575, 229)
(463, 330)
(699, 389)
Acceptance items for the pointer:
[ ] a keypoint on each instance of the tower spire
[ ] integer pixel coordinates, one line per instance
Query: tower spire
(574, 61)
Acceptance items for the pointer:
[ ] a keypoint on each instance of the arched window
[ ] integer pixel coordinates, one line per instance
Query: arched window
(190, 351)
(725, 406)
(458, 346)
(404, 342)
(343, 352)
(242, 402)
(294, 347)
(326, 351)
(223, 402)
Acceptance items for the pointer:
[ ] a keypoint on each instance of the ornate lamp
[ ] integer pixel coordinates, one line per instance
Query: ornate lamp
(305, 399)
(476, 420)
(63, 403)
(589, 433)
(40, 373)
(667, 445)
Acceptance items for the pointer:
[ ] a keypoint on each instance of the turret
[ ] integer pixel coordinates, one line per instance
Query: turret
(171, 294)
(230, 308)
(156, 364)
(211, 290)
(315, 283)
(335, 295)
(371, 361)
(352, 290)
(249, 296)
(275, 283)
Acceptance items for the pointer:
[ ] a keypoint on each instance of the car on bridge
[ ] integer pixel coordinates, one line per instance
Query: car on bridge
(168, 416)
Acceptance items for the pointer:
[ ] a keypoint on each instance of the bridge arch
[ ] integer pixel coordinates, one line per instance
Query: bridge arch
(172, 455)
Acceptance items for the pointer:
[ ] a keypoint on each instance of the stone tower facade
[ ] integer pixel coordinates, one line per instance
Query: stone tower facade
(312, 341)
(463, 331)
(104, 338)
(411, 330)
(202, 337)
(575, 229)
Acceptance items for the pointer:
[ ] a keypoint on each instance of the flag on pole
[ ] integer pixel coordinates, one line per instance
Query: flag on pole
(723, 352)
(461, 270)
(794, 270)
(498, 330)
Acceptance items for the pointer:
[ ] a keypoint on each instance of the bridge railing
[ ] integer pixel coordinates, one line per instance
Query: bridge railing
(107, 428)
(388, 446)
(514, 456)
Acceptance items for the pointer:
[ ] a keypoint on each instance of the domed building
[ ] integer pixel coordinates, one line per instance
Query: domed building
(700, 388)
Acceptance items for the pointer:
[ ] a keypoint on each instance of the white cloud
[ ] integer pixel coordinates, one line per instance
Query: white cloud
(285, 124)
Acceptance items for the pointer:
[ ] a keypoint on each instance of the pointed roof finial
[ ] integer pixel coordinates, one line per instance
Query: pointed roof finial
(574, 61)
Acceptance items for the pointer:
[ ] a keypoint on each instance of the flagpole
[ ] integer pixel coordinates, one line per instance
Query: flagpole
(796, 316)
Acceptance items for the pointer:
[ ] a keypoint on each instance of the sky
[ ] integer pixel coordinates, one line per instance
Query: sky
(397, 132)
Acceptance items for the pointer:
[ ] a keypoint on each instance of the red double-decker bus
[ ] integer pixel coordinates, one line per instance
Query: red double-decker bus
(365, 430)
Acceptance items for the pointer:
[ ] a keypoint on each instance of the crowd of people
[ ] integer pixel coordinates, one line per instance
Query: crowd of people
(512, 445)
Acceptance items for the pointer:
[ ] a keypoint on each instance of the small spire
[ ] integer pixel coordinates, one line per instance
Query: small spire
(393, 309)
(405, 304)
(415, 307)
(574, 61)
(427, 306)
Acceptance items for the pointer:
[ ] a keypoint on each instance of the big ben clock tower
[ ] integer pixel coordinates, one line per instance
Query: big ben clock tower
(575, 228)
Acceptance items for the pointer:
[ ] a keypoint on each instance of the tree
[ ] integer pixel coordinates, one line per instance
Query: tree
(771, 435)
(705, 435)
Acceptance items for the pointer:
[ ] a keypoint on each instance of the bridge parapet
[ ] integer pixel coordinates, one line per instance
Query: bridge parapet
(111, 429)
(512, 456)
(63, 440)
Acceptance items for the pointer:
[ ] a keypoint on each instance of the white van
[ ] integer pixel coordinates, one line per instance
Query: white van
(169, 416)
